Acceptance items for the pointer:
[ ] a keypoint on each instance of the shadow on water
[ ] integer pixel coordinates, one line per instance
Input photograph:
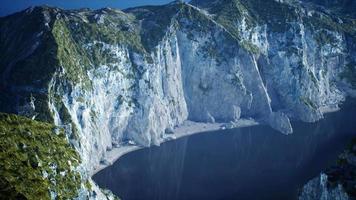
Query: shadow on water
(245, 163)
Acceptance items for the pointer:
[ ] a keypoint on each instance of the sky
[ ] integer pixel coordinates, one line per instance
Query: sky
(10, 6)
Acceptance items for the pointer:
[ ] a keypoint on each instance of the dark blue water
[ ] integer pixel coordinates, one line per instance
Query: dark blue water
(245, 163)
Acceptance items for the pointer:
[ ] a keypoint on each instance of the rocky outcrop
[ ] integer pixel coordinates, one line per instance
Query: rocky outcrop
(337, 182)
(318, 189)
(112, 77)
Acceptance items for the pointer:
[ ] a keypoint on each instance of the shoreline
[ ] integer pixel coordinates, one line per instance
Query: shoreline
(187, 128)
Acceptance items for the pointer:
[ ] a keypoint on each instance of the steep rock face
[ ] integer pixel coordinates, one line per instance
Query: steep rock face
(336, 182)
(111, 77)
(298, 51)
(318, 189)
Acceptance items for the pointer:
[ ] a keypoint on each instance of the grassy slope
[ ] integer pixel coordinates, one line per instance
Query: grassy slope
(35, 161)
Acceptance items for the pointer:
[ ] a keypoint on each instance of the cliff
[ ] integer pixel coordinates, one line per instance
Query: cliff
(111, 78)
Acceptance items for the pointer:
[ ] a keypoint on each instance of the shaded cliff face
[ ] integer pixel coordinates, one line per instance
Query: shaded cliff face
(336, 182)
(109, 76)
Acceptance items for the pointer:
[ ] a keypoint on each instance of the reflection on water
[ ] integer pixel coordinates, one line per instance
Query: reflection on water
(246, 163)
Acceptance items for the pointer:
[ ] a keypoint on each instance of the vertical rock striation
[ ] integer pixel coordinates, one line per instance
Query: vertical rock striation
(112, 77)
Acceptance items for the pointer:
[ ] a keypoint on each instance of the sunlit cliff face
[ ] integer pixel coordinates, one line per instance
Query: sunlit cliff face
(110, 77)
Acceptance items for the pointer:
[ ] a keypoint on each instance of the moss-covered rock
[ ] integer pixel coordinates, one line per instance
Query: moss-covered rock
(36, 161)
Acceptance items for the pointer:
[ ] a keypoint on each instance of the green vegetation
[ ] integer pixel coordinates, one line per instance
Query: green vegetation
(156, 21)
(108, 193)
(228, 13)
(197, 20)
(70, 57)
(36, 160)
(278, 18)
(81, 41)
(116, 28)
(276, 15)
(320, 21)
(250, 47)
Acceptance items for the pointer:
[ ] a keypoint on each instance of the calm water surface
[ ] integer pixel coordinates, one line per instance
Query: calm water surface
(245, 163)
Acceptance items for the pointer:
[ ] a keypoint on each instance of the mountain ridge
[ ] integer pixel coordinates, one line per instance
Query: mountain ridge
(113, 78)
